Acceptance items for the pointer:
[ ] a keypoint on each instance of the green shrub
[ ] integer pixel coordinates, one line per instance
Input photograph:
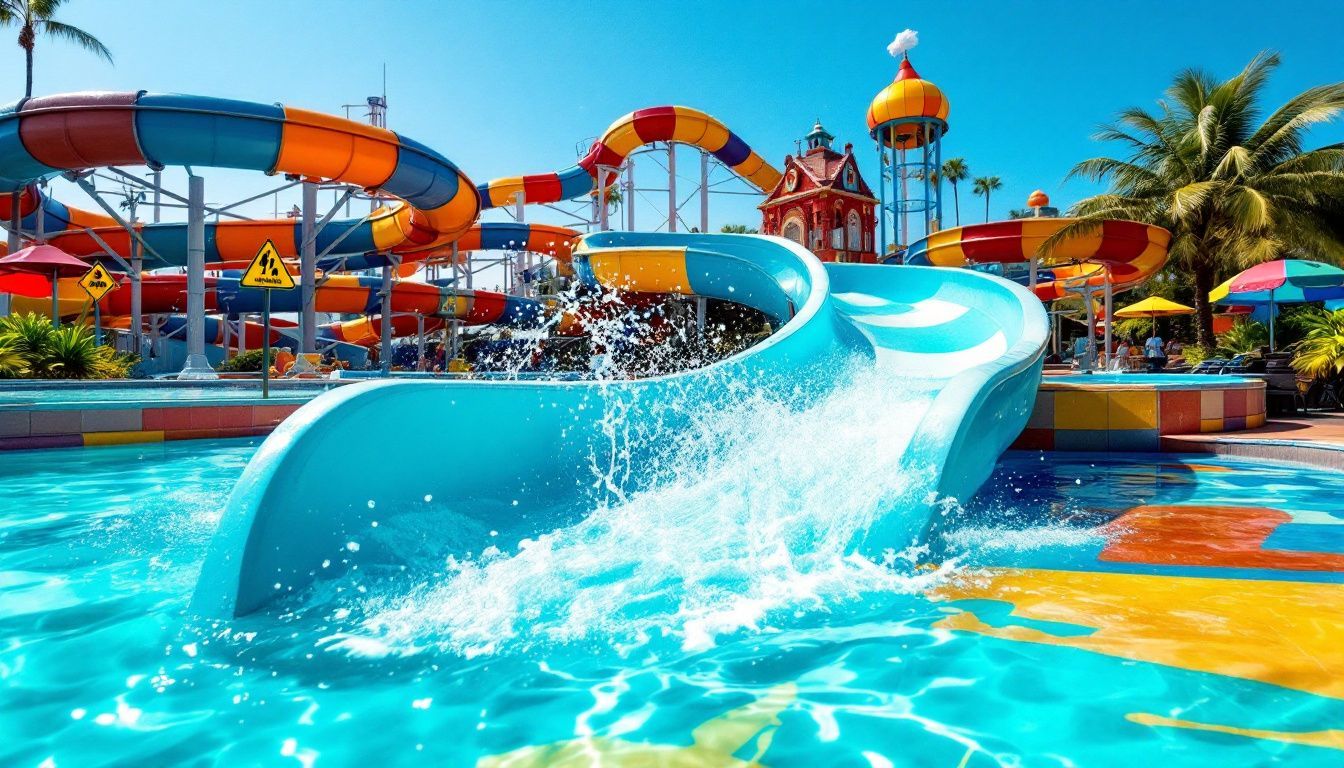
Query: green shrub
(1194, 354)
(1321, 352)
(247, 362)
(1246, 336)
(30, 347)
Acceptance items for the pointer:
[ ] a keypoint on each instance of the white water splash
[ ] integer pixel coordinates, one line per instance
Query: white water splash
(754, 521)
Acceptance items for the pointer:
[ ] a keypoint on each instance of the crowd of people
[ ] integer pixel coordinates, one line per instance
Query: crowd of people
(1127, 354)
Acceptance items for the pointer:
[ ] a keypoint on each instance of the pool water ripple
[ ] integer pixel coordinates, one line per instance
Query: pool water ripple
(101, 663)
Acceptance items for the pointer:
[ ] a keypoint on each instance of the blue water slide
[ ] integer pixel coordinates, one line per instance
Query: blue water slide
(504, 461)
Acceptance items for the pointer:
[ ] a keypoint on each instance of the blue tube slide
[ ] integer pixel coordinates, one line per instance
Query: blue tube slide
(514, 459)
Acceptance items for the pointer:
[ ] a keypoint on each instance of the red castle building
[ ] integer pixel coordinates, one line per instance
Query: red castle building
(823, 203)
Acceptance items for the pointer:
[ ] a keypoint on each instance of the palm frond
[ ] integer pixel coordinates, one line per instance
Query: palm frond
(77, 36)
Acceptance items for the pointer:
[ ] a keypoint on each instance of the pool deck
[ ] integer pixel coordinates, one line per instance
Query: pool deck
(1316, 439)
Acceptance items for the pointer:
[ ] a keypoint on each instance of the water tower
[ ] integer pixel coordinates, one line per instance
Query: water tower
(908, 120)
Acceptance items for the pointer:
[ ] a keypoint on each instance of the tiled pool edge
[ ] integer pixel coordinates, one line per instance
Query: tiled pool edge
(35, 428)
(1071, 416)
(1303, 452)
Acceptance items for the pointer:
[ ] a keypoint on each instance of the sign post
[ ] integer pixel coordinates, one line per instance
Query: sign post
(97, 283)
(268, 273)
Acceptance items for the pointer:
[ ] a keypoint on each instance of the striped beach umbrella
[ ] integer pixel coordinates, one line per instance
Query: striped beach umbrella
(1286, 281)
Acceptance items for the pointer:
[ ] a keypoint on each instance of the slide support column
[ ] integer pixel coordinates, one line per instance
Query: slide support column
(1107, 326)
(197, 366)
(629, 196)
(308, 268)
(385, 340)
(704, 191)
(671, 187)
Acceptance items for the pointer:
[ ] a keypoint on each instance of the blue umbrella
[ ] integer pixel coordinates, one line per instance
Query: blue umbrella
(1287, 281)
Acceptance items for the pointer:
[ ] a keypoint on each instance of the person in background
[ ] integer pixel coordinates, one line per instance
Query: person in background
(1135, 362)
(1155, 352)
(1120, 360)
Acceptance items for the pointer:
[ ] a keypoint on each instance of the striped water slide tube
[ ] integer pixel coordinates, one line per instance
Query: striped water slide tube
(546, 239)
(684, 271)
(343, 294)
(41, 138)
(1131, 251)
(641, 127)
(471, 307)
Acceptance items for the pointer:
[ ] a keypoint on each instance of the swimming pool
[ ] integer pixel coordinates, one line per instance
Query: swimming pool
(1089, 611)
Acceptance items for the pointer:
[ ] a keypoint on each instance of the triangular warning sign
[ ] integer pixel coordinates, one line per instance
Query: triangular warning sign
(97, 282)
(267, 271)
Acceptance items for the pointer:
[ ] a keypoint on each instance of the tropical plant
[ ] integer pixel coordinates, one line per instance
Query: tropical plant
(249, 361)
(1195, 354)
(1021, 213)
(29, 346)
(35, 16)
(954, 170)
(984, 185)
(1246, 336)
(1321, 352)
(1232, 189)
(1133, 328)
(27, 334)
(613, 196)
(738, 229)
(13, 365)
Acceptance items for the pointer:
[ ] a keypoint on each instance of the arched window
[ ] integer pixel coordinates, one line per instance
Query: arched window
(855, 234)
(793, 230)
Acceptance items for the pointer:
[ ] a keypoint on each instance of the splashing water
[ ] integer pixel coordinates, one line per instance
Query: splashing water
(753, 521)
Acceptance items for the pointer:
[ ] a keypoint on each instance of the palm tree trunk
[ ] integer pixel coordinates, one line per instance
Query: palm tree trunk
(986, 207)
(1203, 309)
(27, 38)
(956, 202)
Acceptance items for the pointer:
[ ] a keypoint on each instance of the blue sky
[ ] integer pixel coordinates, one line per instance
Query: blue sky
(505, 88)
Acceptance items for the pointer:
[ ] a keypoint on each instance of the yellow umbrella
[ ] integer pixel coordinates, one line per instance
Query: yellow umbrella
(1154, 307)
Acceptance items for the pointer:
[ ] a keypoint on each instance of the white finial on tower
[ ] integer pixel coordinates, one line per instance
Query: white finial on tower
(904, 41)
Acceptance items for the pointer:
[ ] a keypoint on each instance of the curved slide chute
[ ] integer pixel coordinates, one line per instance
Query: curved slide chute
(1133, 252)
(974, 340)
(644, 126)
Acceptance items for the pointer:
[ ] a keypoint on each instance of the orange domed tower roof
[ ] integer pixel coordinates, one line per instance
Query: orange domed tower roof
(1038, 199)
(907, 98)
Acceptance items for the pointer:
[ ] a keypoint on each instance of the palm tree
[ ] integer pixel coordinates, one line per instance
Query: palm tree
(1321, 351)
(984, 185)
(738, 229)
(954, 170)
(34, 16)
(1233, 193)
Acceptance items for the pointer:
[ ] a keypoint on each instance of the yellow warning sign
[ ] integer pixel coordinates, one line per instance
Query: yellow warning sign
(267, 271)
(97, 282)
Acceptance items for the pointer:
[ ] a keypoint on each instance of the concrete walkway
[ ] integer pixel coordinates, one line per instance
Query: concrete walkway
(1316, 439)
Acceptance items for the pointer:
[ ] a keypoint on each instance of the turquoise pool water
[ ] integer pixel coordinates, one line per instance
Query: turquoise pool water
(151, 394)
(1157, 380)
(101, 663)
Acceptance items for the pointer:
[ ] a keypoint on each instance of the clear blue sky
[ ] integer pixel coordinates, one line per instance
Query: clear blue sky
(505, 88)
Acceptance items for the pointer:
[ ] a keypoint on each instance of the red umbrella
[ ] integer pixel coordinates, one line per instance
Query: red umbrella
(45, 260)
